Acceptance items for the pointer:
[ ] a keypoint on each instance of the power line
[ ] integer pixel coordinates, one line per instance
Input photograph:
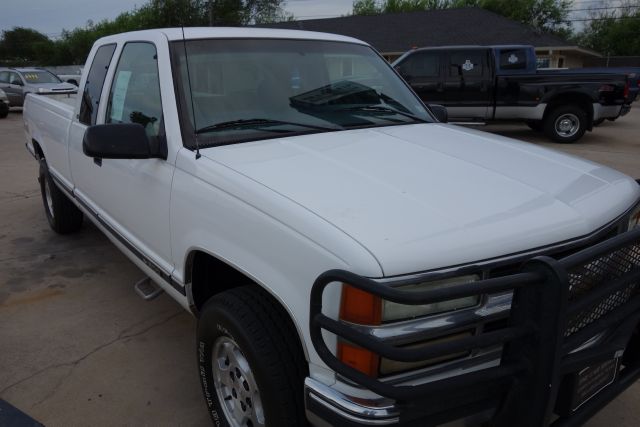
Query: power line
(592, 1)
(612, 18)
(603, 8)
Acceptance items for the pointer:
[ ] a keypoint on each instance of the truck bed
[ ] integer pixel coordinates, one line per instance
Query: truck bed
(47, 120)
(59, 104)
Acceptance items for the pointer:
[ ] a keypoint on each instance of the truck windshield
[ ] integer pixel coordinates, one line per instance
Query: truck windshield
(40, 77)
(250, 89)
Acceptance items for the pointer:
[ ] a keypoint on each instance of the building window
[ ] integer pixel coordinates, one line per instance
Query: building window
(543, 62)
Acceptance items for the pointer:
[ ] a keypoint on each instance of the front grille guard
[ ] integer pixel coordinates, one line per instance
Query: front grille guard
(539, 343)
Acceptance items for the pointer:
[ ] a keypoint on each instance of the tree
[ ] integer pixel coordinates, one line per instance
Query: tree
(24, 45)
(243, 12)
(545, 15)
(171, 13)
(613, 32)
(370, 7)
(366, 7)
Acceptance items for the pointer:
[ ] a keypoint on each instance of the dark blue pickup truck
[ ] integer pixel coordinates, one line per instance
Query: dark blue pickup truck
(487, 83)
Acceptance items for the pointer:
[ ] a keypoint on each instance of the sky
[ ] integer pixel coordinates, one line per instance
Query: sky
(52, 16)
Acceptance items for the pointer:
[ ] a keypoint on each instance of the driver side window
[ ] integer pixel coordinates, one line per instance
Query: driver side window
(14, 78)
(135, 90)
(422, 65)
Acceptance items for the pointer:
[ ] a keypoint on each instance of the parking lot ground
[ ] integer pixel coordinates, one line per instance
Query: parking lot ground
(79, 347)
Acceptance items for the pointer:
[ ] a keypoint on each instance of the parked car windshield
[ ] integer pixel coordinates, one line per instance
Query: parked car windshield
(40, 76)
(250, 89)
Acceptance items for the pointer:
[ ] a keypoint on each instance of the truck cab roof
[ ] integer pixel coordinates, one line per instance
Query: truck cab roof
(191, 33)
(475, 46)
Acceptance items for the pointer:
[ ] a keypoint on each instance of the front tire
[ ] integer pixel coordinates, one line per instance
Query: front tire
(250, 362)
(63, 216)
(565, 123)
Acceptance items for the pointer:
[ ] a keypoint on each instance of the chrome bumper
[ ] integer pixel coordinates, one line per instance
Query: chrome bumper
(328, 407)
(606, 111)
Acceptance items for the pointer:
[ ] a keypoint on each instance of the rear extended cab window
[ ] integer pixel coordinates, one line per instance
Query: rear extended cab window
(94, 83)
(465, 63)
(513, 59)
(135, 91)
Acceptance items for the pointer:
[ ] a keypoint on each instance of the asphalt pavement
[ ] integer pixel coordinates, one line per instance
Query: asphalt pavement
(79, 347)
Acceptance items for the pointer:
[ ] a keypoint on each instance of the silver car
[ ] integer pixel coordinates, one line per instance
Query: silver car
(4, 105)
(18, 82)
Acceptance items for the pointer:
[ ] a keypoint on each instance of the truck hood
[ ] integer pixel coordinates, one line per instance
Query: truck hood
(428, 196)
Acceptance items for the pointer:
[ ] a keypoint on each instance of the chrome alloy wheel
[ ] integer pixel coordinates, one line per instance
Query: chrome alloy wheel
(235, 385)
(48, 198)
(567, 125)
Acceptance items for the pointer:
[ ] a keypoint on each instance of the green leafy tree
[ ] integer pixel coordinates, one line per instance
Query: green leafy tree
(613, 32)
(20, 46)
(243, 12)
(366, 7)
(545, 15)
(24, 46)
(171, 13)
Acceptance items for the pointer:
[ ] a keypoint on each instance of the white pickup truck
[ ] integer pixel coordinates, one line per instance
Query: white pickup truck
(351, 259)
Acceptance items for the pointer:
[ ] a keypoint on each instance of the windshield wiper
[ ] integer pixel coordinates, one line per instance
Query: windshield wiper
(383, 109)
(243, 123)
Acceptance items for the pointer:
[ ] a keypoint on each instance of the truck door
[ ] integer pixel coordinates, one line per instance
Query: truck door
(468, 83)
(423, 72)
(131, 196)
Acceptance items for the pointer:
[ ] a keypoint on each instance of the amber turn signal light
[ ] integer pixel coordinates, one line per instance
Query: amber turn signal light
(358, 358)
(360, 307)
(365, 309)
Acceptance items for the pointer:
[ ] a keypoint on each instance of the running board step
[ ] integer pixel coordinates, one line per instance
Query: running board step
(147, 289)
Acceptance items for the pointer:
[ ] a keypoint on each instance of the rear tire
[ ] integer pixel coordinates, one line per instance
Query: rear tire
(4, 110)
(251, 365)
(63, 216)
(565, 123)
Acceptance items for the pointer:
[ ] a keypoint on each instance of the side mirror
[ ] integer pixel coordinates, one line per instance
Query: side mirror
(120, 141)
(73, 82)
(440, 112)
(17, 82)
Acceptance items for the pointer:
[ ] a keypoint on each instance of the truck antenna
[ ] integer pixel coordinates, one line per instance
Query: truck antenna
(193, 109)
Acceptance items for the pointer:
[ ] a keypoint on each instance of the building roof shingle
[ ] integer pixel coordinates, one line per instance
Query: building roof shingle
(399, 32)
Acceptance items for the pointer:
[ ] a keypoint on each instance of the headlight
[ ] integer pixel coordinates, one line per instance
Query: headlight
(634, 219)
(363, 308)
(392, 311)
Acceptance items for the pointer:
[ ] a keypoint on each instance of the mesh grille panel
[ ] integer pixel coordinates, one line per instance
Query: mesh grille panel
(583, 279)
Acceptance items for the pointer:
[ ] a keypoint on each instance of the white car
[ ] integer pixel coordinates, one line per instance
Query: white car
(352, 260)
